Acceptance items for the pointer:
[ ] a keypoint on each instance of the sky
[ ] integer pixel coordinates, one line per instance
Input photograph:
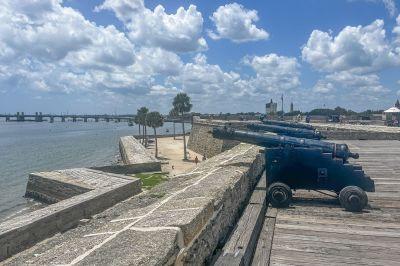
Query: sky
(114, 56)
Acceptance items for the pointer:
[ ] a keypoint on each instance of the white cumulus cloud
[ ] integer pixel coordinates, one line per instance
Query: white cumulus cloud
(179, 32)
(274, 73)
(353, 82)
(323, 87)
(357, 49)
(234, 22)
(199, 77)
(46, 47)
(390, 5)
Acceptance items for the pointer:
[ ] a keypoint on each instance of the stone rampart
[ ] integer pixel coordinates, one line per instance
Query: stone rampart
(202, 142)
(135, 157)
(184, 226)
(100, 191)
(358, 132)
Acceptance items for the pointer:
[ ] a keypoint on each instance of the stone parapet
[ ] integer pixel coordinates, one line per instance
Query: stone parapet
(135, 157)
(79, 193)
(184, 226)
(202, 142)
(358, 132)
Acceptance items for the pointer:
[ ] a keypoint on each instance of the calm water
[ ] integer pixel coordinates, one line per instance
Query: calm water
(28, 147)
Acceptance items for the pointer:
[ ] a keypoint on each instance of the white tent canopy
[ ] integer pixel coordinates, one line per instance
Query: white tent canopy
(392, 110)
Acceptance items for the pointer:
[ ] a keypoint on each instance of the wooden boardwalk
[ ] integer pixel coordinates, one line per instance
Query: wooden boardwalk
(320, 232)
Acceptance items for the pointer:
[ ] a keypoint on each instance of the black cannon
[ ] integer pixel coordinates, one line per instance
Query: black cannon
(295, 163)
(287, 131)
(287, 124)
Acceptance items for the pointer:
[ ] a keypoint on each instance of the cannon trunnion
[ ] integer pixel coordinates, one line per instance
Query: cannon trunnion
(294, 163)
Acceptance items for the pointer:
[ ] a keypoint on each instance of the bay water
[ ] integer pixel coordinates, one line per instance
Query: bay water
(27, 147)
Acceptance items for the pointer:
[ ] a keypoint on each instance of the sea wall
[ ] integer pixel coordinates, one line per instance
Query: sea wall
(129, 169)
(229, 187)
(358, 132)
(202, 142)
(101, 191)
(135, 157)
(183, 227)
(52, 190)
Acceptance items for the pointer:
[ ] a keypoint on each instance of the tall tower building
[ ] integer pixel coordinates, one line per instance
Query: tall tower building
(271, 108)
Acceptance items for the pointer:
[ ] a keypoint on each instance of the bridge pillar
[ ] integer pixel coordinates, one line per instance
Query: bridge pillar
(20, 117)
(38, 117)
(51, 119)
(7, 119)
(74, 119)
(118, 120)
(63, 119)
(107, 119)
(96, 119)
(85, 119)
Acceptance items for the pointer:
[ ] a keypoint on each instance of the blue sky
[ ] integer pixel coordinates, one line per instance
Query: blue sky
(113, 56)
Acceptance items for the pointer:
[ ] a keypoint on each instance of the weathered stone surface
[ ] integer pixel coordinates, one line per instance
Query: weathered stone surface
(358, 132)
(202, 142)
(184, 226)
(242, 242)
(136, 247)
(133, 152)
(130, 169)
(54, 186)
(105, 190)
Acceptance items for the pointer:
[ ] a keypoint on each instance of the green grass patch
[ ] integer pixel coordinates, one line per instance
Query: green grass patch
(150, 180)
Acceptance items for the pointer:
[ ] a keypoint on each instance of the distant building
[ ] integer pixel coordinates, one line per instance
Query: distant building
(291, 107)
(271, 108)
(397, 104)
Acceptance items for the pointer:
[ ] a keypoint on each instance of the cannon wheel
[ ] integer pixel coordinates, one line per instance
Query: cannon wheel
(353, 198)
(279, 195)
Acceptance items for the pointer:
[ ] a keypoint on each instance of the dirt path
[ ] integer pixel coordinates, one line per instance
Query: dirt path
(170, 152)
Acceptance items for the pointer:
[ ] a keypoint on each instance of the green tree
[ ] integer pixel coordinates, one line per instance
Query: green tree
(137, 122)
(173, 114)
(155, 120)
(182, 105)
(142, 114)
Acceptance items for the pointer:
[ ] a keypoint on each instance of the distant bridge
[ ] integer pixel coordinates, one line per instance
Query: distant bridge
(40, 117)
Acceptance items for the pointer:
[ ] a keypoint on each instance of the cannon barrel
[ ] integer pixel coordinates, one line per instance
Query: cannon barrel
(337, 150)
(287, 124)
(287, 131)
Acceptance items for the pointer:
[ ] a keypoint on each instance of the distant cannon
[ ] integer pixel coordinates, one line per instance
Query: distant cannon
(296, 163)
(287, 131)
(287, 124)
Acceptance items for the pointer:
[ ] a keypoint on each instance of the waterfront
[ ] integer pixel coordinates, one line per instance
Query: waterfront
(29, 147)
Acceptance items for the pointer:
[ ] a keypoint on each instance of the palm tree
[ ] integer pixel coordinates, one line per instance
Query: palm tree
(142, 113)
(173, 114)
(155, 120)
(182, 105)
(137, 121)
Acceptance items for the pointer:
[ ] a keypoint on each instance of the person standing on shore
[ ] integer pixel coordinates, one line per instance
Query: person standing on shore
(196, 160)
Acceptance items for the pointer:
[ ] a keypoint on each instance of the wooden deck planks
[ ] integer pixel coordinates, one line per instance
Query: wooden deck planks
(318, 234)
